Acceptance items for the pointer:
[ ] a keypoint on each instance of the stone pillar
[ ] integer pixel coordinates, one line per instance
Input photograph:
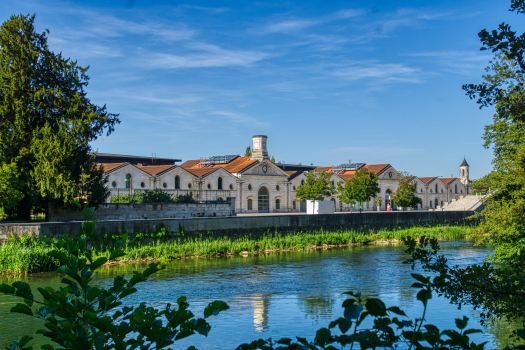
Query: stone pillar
(259, 151)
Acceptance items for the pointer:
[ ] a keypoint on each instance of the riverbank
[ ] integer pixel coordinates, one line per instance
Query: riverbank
(31, 256)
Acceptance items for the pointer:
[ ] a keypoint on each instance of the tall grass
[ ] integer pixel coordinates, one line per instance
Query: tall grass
(18, 258)
(205, 246)
(29, 256)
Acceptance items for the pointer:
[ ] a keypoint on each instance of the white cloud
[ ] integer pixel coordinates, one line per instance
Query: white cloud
(376, 151)
(458, 62)
(209, 56)
(387, 72)
(289, 26)
(240, 118)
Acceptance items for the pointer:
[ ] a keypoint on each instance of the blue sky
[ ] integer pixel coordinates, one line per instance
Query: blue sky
(367, 81)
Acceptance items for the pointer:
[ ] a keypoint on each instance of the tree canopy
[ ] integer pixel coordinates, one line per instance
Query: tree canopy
(47, 121)
(405, 195)
(248, 152)
(361, 188)
(316, 187)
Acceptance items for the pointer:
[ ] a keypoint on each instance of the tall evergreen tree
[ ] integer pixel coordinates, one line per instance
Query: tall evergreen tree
(47, 121)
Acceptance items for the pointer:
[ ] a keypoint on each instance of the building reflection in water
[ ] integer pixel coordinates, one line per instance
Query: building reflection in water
(261, 306)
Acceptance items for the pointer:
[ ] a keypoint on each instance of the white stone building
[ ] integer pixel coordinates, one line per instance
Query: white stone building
(259, 186)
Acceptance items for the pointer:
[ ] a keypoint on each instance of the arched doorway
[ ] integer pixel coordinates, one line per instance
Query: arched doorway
(263, 200)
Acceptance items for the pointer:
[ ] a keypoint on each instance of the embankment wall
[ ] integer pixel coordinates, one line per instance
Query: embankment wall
(246, 223)
(131, 211)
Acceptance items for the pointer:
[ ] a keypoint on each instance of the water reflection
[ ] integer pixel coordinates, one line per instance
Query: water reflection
(271, 295)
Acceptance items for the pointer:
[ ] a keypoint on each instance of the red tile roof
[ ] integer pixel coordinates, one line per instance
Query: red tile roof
(201, 171)
(376, 168)
(155, 169)
(427, 179)
(235, 166)
(447, 180)
(323, 169)
(189, 164)
(110, 166)
(346, 177)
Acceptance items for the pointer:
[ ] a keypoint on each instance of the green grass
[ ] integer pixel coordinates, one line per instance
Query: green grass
(205, 246)
(20, 258)
(29, 256)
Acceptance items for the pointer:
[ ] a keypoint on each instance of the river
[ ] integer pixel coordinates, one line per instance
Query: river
(273, 295)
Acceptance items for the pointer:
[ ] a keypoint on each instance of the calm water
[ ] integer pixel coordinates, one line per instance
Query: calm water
(273, 295)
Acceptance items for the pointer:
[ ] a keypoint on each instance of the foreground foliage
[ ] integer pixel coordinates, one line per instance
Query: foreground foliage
(82, 316)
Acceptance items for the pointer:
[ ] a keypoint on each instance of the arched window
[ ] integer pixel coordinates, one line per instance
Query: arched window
(189, 185)
(263, 197)
(430, 204)
(436, 202)
(335, 204)
(219, 183)
(277, 187)
(231, 187)
(114, 184)
(421, 190)
(249, 187)
(142, 184)
(177, 182)
(294, 205)
(436, 188)
(165, 185)
(461, 191)
(442, 191)
(128, 181)
(456, 188)
(209, 186)
(250, 204)
(293, 188)
(441, 203)
(277, 204)
(463, 172)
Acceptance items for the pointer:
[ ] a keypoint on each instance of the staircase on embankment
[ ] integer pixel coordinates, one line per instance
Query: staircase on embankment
(469, 202)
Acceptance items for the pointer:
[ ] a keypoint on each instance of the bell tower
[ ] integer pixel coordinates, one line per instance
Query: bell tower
(463, 172)
(259, 151)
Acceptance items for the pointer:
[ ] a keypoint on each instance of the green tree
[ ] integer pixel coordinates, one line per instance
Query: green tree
(498, 290)
(272, 159)
(47, 121)
(248, 152)
(485, 183)
(361, 188)
(315, 187)
(405, 195)
(9, 186)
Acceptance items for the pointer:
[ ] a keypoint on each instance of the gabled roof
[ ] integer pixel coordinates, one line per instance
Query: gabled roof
(110, 166)
(427, 180)
(323, 169)
(155, 169)
(464, 162)
(190, 164)
(200, 172)
(346, 177)
(447, 180)
(293, 174)
(377, 168)
(235, 166)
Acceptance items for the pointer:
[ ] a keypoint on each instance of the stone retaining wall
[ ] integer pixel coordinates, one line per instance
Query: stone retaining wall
(120, 211)
(250, 223)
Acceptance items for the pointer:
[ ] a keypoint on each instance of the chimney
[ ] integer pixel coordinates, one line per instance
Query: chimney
(259, 151)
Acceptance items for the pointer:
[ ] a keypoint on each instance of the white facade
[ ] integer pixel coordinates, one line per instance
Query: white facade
(258, 185)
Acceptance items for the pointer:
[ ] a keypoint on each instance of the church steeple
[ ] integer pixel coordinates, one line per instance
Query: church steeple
(463, 172)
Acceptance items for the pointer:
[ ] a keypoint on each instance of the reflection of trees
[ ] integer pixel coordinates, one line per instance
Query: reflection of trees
(502, 329)
(316, 306)
(261, 305)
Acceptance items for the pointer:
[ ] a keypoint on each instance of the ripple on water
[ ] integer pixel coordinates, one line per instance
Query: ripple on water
(272, 295)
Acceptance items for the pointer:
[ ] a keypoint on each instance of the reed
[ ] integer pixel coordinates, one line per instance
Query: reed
(28, 256)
